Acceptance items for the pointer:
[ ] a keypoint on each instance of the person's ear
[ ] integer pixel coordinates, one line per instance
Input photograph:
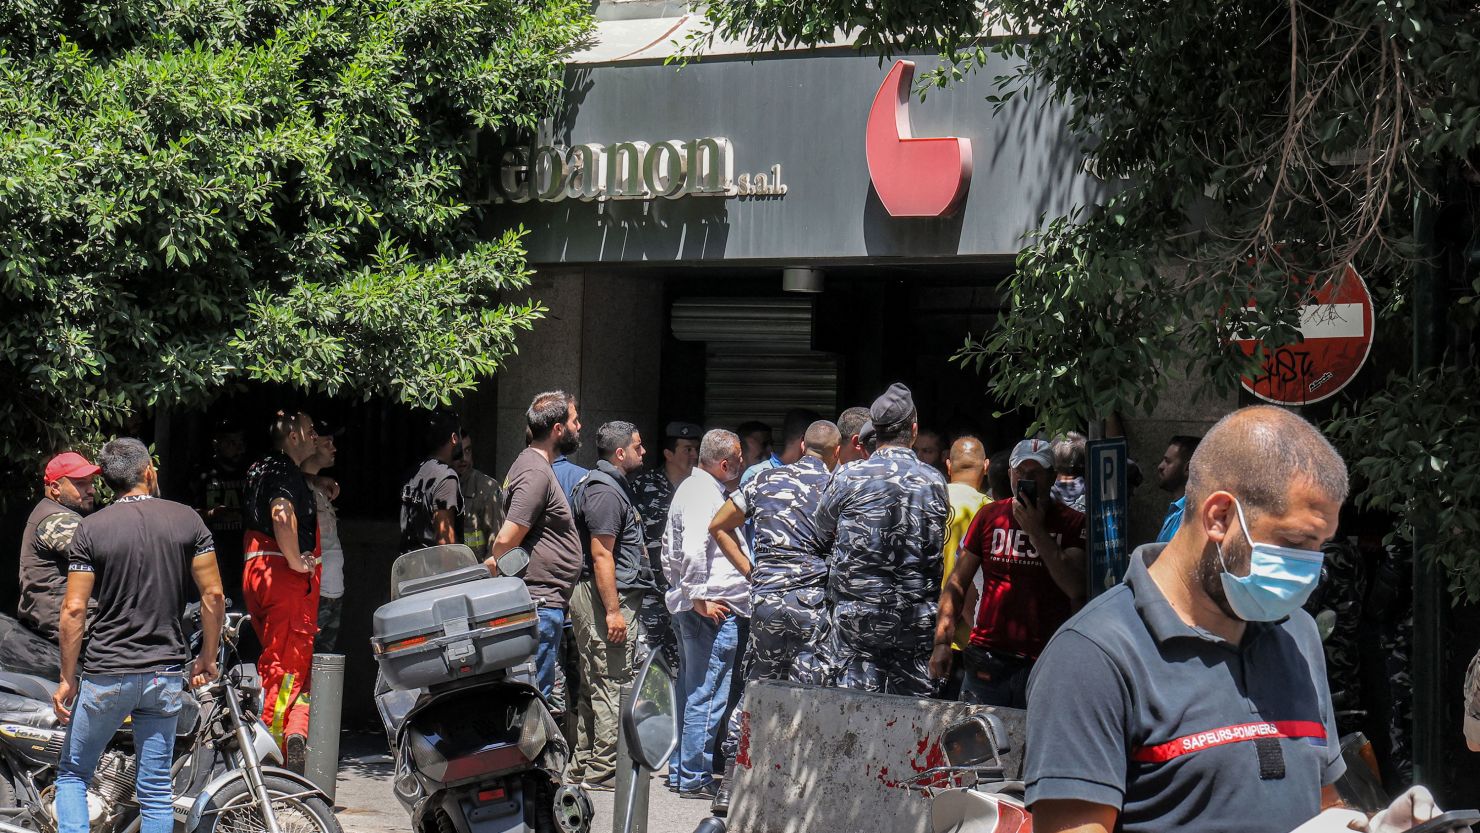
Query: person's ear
(1217, 515)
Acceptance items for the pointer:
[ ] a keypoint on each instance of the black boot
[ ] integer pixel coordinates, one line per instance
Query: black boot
(721, 805)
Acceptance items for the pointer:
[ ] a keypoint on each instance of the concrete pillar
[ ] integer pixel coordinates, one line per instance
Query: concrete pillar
(602, 340)
(1147, 435)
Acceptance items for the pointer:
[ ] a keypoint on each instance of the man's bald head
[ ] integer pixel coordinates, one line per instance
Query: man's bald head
(822, 440)
(967, 462)
(1257, 453)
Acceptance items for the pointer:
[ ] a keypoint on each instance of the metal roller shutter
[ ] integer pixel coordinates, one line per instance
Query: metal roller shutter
(759, 358)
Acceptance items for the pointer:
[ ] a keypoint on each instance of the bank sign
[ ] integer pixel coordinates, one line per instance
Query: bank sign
(629, 171)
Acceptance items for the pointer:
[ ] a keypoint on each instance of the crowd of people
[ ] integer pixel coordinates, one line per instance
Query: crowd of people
(863, 553)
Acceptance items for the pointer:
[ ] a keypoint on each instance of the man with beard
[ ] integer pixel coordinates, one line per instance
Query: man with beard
(1171, 476)
(68, 488)
(1196, 690)
(537, 517)
(603, 607)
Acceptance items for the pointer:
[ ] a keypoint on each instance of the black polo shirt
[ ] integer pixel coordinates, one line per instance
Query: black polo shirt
(1176, 728)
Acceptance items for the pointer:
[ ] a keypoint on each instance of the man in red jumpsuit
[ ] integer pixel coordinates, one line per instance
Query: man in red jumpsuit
(281, 578)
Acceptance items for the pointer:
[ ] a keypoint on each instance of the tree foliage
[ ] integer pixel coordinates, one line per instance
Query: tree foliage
(194, 193)
(1248, 142)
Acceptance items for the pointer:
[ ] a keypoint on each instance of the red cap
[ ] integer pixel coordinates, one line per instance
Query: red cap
(69, 464)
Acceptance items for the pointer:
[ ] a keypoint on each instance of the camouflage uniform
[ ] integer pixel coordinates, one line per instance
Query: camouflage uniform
(43, 567)
(1342, 590)
(788, 579)
(884, 521)
(652, 495)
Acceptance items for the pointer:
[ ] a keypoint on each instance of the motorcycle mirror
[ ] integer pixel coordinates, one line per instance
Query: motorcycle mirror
(976, 740)
(650, 714)
(513, 563)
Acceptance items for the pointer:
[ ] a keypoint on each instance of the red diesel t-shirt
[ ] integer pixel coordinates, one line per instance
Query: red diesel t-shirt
(1021, 605)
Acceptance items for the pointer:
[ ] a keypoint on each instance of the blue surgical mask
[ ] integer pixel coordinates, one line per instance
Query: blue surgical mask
(1280, 579)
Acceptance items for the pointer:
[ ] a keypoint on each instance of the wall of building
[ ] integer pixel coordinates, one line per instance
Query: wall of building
(1178, 411)
(602, 339)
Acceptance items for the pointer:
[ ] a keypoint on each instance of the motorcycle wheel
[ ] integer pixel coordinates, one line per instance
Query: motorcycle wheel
(231, 810)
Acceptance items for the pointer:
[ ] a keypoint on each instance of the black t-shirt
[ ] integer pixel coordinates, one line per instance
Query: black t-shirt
(273, 477)
(140, 551)
(604, 510)
(432, 488)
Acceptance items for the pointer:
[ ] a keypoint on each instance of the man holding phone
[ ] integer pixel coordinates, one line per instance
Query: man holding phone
(1030, 549)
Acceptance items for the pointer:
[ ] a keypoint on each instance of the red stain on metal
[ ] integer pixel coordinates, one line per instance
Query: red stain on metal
(742, 755)
(891, 723)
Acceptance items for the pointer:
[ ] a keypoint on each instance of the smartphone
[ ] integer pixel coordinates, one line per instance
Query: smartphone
(1454, 820)
(1027, 492)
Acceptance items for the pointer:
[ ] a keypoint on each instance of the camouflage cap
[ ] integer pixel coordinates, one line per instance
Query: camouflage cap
(893, 407)
(683, 431)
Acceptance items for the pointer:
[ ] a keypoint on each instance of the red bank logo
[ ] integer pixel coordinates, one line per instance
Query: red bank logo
(914, 177)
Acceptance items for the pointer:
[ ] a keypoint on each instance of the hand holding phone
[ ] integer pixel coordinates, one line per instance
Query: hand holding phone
(1027, 492)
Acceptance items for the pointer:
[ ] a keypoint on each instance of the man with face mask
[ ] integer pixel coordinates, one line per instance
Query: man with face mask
(1193, 696)
(1030, 550)
(68, 484)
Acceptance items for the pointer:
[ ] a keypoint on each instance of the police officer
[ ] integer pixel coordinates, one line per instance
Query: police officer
(652, 492)
(789, 574)
(882, 522)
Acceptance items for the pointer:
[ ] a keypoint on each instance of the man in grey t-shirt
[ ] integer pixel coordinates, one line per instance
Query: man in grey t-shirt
(604, 606)
(537, 517)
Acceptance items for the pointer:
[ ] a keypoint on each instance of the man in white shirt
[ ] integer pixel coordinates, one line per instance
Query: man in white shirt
(706, 593)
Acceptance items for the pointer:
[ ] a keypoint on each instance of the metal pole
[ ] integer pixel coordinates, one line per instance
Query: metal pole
(631, 800)
(1429, 603)
(326, 695)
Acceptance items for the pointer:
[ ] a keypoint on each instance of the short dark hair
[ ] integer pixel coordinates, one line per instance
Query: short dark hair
(546, 411)
(441, 424)
(751, 426)
(612, 436)
(898, 431)
(850, 422)
(1186, 444)
(1257, 452)
(794, 426)
(124, 462)
(999, 479)
(283, 423)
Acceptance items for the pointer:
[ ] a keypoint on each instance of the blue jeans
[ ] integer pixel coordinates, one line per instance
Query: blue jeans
(708, 653)
(103, 701)
(547, 655)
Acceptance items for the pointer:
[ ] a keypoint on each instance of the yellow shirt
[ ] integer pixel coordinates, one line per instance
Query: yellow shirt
(965, 502)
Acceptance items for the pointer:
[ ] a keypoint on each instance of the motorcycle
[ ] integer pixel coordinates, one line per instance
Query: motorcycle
(226, 772)
(476, 747)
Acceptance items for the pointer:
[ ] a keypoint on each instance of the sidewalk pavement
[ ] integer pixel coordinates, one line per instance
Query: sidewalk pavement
(365, 804)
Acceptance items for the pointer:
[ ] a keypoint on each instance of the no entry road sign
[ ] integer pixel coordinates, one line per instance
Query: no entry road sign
(1336, 332)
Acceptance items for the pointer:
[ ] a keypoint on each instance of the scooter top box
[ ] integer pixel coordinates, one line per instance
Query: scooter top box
(445, 634)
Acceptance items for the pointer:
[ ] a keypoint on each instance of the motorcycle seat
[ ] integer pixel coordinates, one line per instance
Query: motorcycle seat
(26, 685)
(25, 711)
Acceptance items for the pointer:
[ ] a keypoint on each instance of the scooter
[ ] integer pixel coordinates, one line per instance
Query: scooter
(971, 792)
(476, 748)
